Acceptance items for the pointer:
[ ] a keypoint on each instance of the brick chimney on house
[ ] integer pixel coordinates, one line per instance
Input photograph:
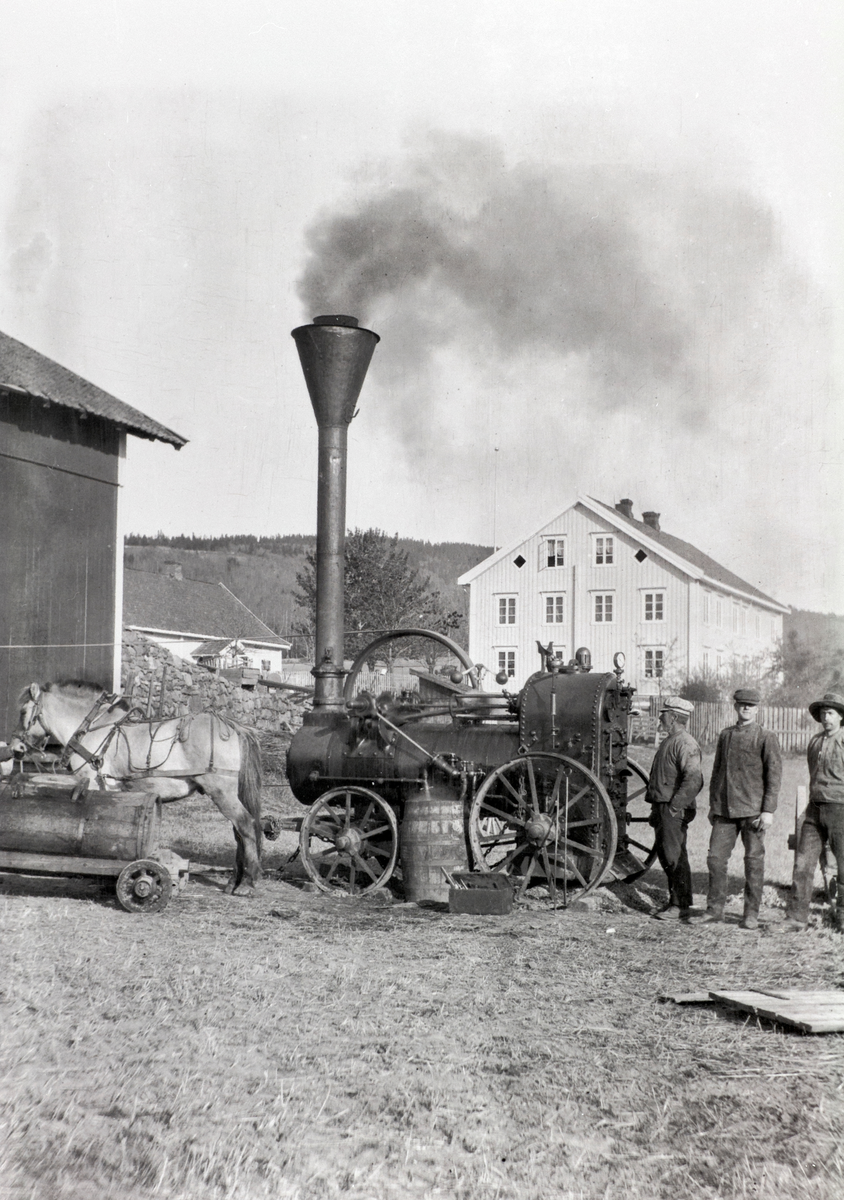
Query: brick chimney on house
(173, 570)
(652, 519)
(625, 507)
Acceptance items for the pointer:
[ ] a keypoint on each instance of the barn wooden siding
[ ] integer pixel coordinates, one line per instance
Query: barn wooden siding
(58, 490)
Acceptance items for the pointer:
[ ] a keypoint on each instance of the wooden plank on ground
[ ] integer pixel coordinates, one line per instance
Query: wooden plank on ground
(811, 1017)
(687, 997)
(833, 996)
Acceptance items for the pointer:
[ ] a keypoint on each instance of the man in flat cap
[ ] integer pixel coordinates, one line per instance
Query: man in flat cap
(824, 820)
(675, 780)
(743, 794)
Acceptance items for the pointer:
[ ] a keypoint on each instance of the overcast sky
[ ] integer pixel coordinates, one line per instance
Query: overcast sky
(601, 243)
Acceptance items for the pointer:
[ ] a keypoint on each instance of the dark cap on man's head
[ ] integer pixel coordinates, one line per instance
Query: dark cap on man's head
(830, 700)
(746, 696)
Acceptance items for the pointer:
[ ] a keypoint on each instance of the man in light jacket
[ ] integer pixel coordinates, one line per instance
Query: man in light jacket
(675, 780)
(824, 820)
(743, 794)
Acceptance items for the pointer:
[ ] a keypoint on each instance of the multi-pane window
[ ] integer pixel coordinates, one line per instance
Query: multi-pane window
(555, 609)
(654, 606)
(506, 610)
(735, 617)
(707, 662)
(602, 608)
(707, 607)
(719, 612)
(603, 551)
(654, 664)
(742, 620)
(507, 661)
(554, 553)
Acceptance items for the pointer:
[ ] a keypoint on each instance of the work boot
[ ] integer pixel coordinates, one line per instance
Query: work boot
(749, 921)
(707, 918)
(672, 913)
(793, 926)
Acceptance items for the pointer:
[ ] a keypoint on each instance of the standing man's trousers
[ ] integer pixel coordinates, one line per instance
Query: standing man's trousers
(671, 851)
(823, 824)
(725, 833)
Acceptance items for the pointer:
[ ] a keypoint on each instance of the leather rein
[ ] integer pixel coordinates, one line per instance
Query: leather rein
(105, 703)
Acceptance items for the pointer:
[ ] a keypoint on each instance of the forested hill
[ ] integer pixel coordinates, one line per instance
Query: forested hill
(261, 571)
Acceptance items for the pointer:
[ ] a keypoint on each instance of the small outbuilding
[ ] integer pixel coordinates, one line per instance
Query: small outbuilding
(199, 621)
(61, 442)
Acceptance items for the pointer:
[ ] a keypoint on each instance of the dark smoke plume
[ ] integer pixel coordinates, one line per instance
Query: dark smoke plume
(623, 267)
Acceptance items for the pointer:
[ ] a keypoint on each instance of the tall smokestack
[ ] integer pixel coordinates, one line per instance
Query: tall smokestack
(335, 355)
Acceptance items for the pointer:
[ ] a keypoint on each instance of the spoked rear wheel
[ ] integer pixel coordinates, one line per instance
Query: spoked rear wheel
(544, 818)
(640, 835)
(349, 841)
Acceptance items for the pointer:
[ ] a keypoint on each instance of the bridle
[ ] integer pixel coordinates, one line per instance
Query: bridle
(73, 744)
(24, 732)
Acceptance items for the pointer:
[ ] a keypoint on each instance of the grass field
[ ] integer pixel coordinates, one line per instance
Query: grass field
(304, 1048)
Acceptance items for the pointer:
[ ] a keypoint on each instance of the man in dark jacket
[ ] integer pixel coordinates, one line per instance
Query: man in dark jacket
(823, 823)
(743, 793)
(675, 780)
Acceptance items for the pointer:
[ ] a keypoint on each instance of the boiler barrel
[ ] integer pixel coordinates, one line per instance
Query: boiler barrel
(118, 825)
(432, 837)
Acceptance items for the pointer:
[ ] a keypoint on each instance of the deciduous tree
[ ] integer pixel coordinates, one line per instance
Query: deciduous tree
(383, 592)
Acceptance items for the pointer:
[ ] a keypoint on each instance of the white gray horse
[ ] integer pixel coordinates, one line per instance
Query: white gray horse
(108, 743)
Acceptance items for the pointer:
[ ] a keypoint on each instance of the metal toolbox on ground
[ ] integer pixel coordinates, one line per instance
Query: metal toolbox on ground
(481, 893)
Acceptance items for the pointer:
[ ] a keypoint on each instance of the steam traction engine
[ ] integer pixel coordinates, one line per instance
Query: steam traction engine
(536, 785)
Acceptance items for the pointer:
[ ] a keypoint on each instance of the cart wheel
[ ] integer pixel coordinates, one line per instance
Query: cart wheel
(144, 886)
(349, 841)
(546, 818)
(640, 835)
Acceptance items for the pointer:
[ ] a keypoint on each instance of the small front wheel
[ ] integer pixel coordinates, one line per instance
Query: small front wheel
(349, 841)
(144, 886)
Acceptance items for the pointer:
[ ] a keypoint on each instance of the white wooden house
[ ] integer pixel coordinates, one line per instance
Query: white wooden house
(595, 576)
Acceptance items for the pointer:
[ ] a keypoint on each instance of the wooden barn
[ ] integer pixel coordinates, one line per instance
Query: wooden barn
(61, 564)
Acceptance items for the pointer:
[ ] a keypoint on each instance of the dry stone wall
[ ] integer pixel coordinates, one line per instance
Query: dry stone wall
(191, 688)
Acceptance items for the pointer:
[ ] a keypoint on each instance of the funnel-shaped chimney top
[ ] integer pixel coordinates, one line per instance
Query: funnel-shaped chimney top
(335, 354)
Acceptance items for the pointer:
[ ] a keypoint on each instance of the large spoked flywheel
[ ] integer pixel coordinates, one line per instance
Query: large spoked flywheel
(545, 819)
(639, 837)
(349, 841)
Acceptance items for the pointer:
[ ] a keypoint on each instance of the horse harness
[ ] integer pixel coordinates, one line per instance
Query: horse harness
(107, 703)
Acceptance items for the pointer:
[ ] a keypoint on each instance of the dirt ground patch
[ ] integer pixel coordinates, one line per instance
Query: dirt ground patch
(302, 1048)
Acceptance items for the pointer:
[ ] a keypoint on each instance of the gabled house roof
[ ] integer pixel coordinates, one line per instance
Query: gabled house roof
(213, 646)
(25, 372)
(683, 555)
(190, 608)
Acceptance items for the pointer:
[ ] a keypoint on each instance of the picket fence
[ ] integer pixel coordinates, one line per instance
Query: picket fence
(793, 726)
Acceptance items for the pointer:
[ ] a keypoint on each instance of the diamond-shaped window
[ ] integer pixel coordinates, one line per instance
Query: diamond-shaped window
(640, 556)
(519, 561)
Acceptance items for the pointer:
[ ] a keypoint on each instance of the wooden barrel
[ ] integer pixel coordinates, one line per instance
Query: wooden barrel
(432, 837)
(118, 825)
